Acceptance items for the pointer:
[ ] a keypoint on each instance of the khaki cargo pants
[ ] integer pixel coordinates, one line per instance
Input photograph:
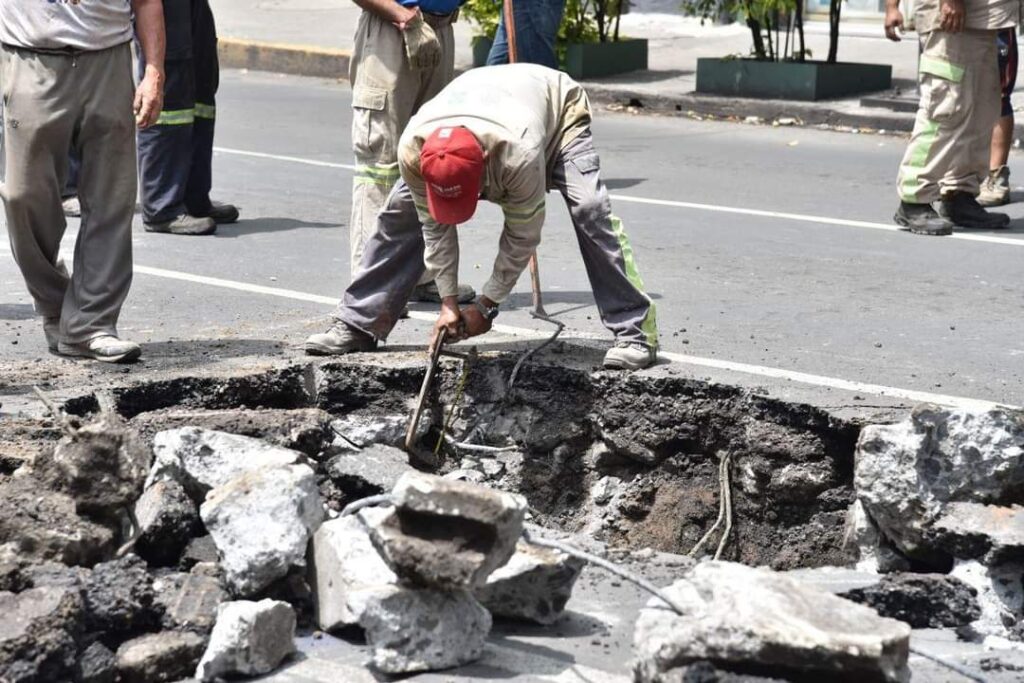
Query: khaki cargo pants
(960, 102)
(386, 92)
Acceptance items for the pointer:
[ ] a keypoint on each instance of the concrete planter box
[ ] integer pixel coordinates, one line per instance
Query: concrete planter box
(594, 60)
(481, 48)
(789, 80)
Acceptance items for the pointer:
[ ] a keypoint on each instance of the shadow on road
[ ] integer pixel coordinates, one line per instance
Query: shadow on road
(248, 226)
(622, 183)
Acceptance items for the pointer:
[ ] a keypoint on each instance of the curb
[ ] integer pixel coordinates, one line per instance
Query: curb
(298, 60)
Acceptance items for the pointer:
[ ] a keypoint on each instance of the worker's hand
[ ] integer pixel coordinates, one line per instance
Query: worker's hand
(450, 321)
(404, 16)
(474, 321)
(421, 44)
(149, 98)
(893, 24)
(952, 15)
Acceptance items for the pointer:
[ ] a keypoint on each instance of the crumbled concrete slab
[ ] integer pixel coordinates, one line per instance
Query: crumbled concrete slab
(250, 638)
(410, 630)
(362, 429)
(992, 533)
(448, 533)
(1000, 594)
(96, 664)
(865, 544)
(346, 571)
(120, 600)
(189, 601)
(368, 472)
(159, 657)
(767, 624)
(921, 600)
(261, 522)
(38, 633)
(167, 519)
(202, 459)
(535, 585)
(834, 580)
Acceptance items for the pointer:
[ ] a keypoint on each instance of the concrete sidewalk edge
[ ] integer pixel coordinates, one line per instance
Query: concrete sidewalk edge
(299, 60)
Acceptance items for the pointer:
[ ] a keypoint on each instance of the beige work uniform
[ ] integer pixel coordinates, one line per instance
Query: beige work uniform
(960, 101)
(386, 92)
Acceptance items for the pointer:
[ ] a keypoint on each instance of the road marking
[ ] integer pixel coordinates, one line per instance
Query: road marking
(760, 213)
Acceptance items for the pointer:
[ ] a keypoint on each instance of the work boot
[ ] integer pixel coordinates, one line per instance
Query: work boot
(629, 355)
(338, 340)
(72, 207)
(184, 225)
(963, 209)
(995, 189)
(428, 293)
(921, 219)
(51, 328)
(106, 348)
(221, 213)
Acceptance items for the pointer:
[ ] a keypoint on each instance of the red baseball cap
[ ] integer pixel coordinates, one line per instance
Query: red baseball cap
(452, 164)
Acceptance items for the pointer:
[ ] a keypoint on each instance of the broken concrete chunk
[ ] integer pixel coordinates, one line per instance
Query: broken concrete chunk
(535, 585)
(921, 600)
(369, 472)
(365, 430)
(200, 550)
(346, 570)
(96, 664)
(262, 522)
(189, 602)
(43, 525)
(119, 599)
(991, 533)
(410, 630)
(158, 657)
(1000, 594)
(38, 633)
(250, 638)
(448, 533)
(866, 546)
(906, 472)
(167, 518)
(202, 459)
(768, 624)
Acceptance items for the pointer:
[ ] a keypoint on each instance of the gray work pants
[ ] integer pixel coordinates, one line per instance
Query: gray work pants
(82, 102)
(393, 261)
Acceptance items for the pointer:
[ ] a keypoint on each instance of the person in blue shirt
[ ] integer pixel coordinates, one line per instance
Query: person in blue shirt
(527, 32)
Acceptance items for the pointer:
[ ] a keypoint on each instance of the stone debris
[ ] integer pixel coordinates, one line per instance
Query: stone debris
(369, 472)
(417, 629)
(1000, 594)
(159, 657)
(448, 533)
(346, 571)
(865, 545)
(38, 633)
(167, 519)
(200, 550)
(202, 459)
(535, 585)
(189, 601)
(120, 600)
(906, 472)
(766, 623)
(96, 664)
(921, 600)
(250, 638)
(261, 523)
(991, 533)
(361, 430)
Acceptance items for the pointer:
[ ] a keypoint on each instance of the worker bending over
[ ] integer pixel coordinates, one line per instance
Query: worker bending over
(505, 134)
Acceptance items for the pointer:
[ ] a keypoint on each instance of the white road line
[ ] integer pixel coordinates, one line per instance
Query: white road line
(761, 213)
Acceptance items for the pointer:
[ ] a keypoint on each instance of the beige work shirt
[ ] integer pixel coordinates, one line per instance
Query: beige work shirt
(981, 14)
(523, 115)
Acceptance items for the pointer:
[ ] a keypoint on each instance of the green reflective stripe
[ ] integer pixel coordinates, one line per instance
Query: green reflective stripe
(176, 117)
(649, 326)
(941, 68)
(205, 111)
(385, 176)
(916, 159)
(515, 217)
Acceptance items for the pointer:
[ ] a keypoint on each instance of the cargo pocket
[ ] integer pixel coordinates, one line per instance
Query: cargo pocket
(371, 140)
(941, 86)
(587, 163)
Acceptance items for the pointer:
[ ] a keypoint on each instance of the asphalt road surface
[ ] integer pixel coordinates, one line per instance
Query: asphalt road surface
(770, 253)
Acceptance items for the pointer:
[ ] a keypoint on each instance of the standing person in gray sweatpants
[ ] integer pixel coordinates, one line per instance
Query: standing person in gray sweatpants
(505, 134)
(67, 84)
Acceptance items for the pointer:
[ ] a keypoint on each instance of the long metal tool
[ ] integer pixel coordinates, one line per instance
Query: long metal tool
(435, 356)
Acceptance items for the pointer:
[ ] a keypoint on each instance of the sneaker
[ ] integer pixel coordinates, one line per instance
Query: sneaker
(428, 293)
(963, 209)
(921, 219)
(184, 225)
(995, 189)
(51, 328)
(106, 348)
(630, 356)
(72, 207)
(338, 340)
(221, 213)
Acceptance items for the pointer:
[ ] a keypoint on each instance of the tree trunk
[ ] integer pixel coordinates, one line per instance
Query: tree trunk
(800, 29)
(755, 34)
(834, 7)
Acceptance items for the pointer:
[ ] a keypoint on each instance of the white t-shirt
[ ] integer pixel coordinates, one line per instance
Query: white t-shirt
(58, 24)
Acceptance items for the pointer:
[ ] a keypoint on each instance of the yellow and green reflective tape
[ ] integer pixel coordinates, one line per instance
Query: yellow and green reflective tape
(205, 111)
(649, 326)
(941, 68)
(518, 216)
(378, 175)
(916, 159)
(176, 117)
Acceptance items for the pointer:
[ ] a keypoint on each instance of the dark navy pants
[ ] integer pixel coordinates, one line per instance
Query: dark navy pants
(535, 27)
(176, 154)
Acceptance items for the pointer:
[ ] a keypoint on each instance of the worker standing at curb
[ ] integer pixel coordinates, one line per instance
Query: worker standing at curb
(948, 154)
(995, 190)
(505, 134)
(176, 155)
(404, 54)
(528, 30)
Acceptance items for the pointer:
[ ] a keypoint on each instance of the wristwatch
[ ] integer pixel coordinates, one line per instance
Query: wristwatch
(487, 311)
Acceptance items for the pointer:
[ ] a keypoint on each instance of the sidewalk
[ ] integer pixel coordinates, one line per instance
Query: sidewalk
(314, 37)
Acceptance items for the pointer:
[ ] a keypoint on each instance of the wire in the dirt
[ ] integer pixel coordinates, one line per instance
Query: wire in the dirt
(952, 666)
(370, 501)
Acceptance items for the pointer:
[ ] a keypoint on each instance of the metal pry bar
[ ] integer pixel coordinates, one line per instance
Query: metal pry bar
(414, 423)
